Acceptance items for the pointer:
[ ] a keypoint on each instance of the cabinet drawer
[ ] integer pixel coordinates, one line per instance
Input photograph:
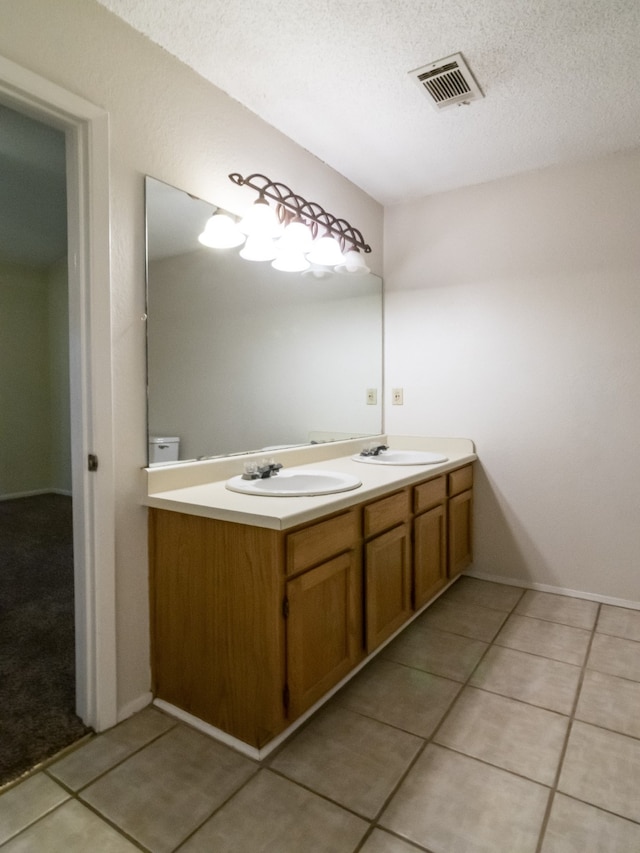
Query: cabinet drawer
(429, 494)
(460, 480)
(386, 513)
(319, 542)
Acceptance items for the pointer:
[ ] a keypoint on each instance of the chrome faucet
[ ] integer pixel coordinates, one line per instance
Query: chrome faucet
(373, 450)
(261, 471)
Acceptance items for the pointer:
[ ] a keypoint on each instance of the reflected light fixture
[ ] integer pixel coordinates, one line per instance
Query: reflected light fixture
(221, 232)
(353, 264)
(258, 248)
(296, 234)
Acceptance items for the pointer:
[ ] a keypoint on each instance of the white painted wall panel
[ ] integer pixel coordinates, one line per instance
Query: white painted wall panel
(513, 318)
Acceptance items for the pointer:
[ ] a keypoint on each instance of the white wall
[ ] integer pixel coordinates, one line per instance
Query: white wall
(513, 318)
(24, 381)
(34, 380)
(167, 122)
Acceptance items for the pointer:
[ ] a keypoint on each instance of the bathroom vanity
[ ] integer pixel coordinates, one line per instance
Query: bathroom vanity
(261, 606)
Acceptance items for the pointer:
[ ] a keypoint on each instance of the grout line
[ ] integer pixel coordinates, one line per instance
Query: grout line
(217, 808)
(428, 741)
(565, 745)
(76, 792)
(373, 823)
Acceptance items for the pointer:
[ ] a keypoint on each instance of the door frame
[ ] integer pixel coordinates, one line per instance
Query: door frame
(86, 130)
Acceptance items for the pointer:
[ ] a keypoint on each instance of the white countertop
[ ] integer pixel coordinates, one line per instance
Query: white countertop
(198, 488)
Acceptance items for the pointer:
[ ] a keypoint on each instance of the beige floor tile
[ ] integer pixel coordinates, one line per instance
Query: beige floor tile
(610, 702)
(577, 612)
(383, 842)
(549, 639)
(540, 681)
(28, 801)
(438, 652)
(496, 596)
(576, 827)
(399, 695)
(162, 793)
(91, 760)
(454, 804)
(348, 758)
(273, 814)
(619, 621)
(602, 768)
(506, 733)
(72, 828)
(468, 620)
(615, 656)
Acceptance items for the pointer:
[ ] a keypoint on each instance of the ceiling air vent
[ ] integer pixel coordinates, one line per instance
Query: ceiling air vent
(447, 82)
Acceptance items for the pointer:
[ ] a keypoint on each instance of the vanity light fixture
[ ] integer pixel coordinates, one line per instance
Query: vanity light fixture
(296, 234)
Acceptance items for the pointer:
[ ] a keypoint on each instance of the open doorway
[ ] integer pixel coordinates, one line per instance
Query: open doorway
(85, 130)
(37, 613)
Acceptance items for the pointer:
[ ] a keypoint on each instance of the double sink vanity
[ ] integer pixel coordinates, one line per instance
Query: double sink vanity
(264, 602)
(274, 581)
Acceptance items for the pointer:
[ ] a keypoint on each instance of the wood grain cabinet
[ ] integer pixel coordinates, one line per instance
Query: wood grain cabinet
(429, 540)
(387, 564)
(217, 632)
(460, 522)
(252, 626)
(322, 609)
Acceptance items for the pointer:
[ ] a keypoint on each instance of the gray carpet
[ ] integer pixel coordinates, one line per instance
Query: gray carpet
(37, 642)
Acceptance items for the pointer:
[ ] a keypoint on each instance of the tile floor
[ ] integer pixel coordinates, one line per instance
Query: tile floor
(500, 720)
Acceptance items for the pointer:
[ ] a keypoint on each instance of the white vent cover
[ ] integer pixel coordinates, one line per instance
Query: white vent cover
(447, 82)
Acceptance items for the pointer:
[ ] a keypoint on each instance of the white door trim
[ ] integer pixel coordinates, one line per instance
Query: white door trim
(87, 143)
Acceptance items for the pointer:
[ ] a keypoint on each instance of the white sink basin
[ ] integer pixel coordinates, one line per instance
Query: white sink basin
(292, 482)
(402, 457)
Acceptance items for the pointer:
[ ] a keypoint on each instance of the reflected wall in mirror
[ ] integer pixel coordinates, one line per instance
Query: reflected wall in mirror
(242, 357)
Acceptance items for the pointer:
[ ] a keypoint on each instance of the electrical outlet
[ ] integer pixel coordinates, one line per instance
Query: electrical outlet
(372, 396)
(397, 396)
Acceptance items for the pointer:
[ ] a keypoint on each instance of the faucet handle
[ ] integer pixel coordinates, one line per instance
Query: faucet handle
(250, 471)
(268, 468)
(373, 449)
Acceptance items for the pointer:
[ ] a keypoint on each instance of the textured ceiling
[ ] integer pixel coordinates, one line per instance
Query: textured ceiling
(560, 79)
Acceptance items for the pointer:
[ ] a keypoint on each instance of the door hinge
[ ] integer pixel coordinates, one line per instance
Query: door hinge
(285, 607)
(285, 697)
(92, 462)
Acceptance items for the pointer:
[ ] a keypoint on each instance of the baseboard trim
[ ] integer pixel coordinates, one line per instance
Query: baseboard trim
(555, 590)
(261, 754)
(28, 494)
(34, 492)
(134, 706)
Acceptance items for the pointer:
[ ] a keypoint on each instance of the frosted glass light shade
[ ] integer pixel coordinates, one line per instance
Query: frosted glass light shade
(326, 252)
(353, 264)
(261, 220)
(316, 271)
(258, 249)
(291, 262)
(296, 238)
(221, 232)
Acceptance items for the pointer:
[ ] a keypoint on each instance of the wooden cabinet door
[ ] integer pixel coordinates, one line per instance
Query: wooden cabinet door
(429, 554)
(324, 629)
(460, 532)
(388, 584)
(217, 628)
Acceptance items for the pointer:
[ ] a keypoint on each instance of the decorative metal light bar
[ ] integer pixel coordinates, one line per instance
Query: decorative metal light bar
(290, 207)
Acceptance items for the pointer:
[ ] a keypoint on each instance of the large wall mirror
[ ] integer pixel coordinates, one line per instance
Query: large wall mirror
(242, 357)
